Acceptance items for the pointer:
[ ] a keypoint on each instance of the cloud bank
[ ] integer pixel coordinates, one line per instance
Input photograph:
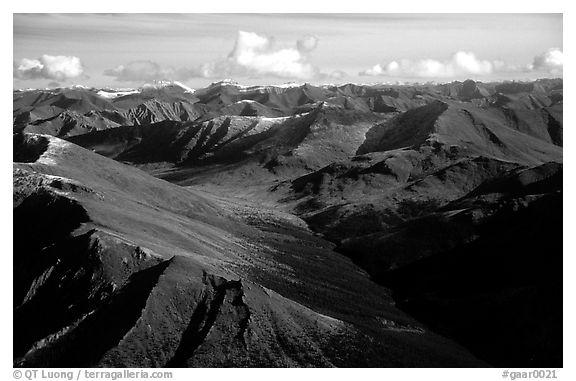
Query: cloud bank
(460, 64)
(464, 64)
(57, 68)
(253, 55)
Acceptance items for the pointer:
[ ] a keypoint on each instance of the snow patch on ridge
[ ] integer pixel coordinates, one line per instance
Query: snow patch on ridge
(111, 94)
(55, 148)
(161, 84)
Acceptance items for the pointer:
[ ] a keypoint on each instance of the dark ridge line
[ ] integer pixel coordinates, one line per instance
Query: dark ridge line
(43, 307)
(205, 315)
(68, 123)
(49, 119)
(238, 135)
(101, 331)
(554, 129)
(199, 147)
(190, 131)
(220, 133)
(487, 132)
(50, 218)
(238, 301)
(28, 148)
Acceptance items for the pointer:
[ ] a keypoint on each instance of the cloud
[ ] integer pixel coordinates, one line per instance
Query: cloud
(551, 61)
(465, 64)
(58, 68)
(376, 70)
(253, 55)
(460, 64)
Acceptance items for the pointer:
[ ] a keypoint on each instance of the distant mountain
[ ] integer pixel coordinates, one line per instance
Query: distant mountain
(68, 112)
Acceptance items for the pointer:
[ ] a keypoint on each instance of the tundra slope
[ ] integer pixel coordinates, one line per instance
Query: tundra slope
(114, 267)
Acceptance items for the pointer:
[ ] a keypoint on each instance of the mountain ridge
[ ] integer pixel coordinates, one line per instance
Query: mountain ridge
(303, 214)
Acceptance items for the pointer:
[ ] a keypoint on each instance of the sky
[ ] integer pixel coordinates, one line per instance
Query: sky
(129, 50)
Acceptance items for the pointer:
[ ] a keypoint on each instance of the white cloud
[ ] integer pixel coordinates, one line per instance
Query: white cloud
(59, 68)
(465, 64)
(254, 54)
(551, 61)
(460, 64)
(376, 70)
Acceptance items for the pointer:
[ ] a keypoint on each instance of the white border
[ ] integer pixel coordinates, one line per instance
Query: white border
(301, 6)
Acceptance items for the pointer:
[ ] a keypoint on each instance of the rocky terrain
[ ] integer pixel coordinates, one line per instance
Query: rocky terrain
(300, 225)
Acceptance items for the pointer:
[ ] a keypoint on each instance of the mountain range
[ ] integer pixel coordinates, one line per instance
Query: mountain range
(337, 225)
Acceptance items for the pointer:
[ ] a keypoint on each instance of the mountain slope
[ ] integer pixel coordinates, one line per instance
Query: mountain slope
(449, 196)
(498, 263)
(121, 275)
